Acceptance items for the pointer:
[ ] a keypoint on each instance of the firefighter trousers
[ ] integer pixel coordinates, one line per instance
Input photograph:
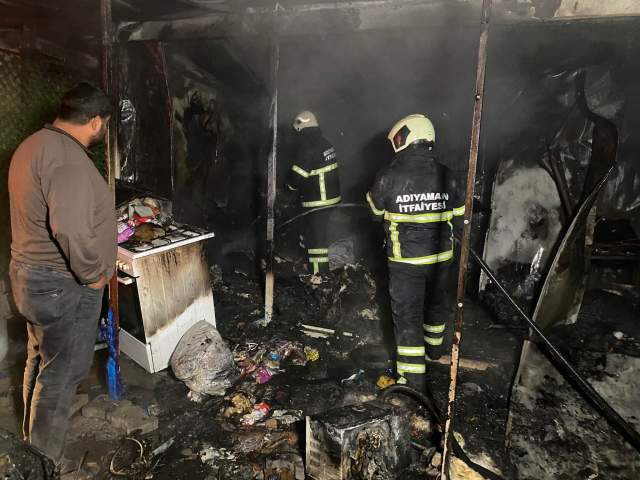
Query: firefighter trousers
(419, 317)
(314, 242)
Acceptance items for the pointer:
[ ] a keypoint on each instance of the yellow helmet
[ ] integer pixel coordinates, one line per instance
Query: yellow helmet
(305, 120)
(412, 129)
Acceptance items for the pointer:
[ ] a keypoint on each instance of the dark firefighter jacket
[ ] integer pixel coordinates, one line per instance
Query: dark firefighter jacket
(417, 198)
(315, 173)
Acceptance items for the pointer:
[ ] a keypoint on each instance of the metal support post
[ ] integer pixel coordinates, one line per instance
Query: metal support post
(464, 255)
(109, 84)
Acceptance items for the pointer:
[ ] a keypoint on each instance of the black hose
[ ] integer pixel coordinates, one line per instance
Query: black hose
(627, 431)
(311, 210)
(426, 401)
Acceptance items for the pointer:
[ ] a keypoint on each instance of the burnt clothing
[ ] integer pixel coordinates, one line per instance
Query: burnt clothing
(417, 197)
(419, 317)
(62, 324)
(62, 210)
(315, 241)
(315, 172)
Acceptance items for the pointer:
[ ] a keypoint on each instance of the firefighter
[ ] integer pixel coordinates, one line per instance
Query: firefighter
(315, 176)
(417, 198)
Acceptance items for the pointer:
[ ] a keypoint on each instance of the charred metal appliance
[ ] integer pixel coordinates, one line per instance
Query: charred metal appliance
(358, 442)
(163, 289)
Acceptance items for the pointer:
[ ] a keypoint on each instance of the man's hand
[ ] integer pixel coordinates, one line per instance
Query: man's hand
(99, 284)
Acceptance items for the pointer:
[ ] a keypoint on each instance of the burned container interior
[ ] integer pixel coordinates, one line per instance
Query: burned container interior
(207, 93)
(195, 115)
(206, 106)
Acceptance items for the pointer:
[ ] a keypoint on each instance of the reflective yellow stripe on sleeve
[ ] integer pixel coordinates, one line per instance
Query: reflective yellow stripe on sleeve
(458, 211)
(300, 171)
(373, 206)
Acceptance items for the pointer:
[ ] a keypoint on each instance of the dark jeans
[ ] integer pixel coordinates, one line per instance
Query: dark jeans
(62, 322)
(419, 316)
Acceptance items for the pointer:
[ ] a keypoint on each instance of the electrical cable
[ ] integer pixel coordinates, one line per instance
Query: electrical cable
(426, 401)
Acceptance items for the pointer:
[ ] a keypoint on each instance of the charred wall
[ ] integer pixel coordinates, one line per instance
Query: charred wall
(145, 118)
(221, 101)
(530, 90)
(532, 86)
(358, 86)
(193, 129)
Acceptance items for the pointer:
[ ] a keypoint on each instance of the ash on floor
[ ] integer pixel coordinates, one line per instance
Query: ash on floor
(346, 319)
(554, 431)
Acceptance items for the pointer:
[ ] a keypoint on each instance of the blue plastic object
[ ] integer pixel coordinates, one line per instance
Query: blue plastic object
(109, 333)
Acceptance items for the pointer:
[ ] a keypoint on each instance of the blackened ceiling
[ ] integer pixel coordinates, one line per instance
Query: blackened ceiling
(16, 12)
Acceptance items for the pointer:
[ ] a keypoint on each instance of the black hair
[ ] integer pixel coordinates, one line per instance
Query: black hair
(84, 102)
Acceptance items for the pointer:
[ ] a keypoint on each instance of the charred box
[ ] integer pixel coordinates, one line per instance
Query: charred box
(358, 442)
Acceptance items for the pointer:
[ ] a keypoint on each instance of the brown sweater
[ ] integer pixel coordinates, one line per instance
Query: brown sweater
(62, 211)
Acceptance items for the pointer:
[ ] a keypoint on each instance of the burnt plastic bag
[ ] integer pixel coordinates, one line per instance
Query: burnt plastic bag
(341, 253)
(203, 361)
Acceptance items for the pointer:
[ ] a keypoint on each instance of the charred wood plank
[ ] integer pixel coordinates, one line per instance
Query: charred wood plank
(466, 235)
(271, 189)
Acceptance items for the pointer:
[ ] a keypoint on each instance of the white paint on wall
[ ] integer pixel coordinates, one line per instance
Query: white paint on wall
(526, 218)
(530, 10)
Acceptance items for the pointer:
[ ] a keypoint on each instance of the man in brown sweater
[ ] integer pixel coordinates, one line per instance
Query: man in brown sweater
(63, 253)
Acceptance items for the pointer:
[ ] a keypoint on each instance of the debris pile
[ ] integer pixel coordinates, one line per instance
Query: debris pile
(142, 220)
(362, 442)
(263, 362)
(558, 442)
(315, 356)
(147, 223)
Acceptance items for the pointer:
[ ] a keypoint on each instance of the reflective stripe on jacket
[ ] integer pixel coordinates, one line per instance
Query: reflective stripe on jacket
(417, 198)
(315, 172)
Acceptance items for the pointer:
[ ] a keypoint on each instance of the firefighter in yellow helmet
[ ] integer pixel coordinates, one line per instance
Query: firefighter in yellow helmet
(315, 175)
(416, 198)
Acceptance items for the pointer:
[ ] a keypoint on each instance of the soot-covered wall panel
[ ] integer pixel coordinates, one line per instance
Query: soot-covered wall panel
(221, 105)
(533, 84)
(144, 141)
(360, 85)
